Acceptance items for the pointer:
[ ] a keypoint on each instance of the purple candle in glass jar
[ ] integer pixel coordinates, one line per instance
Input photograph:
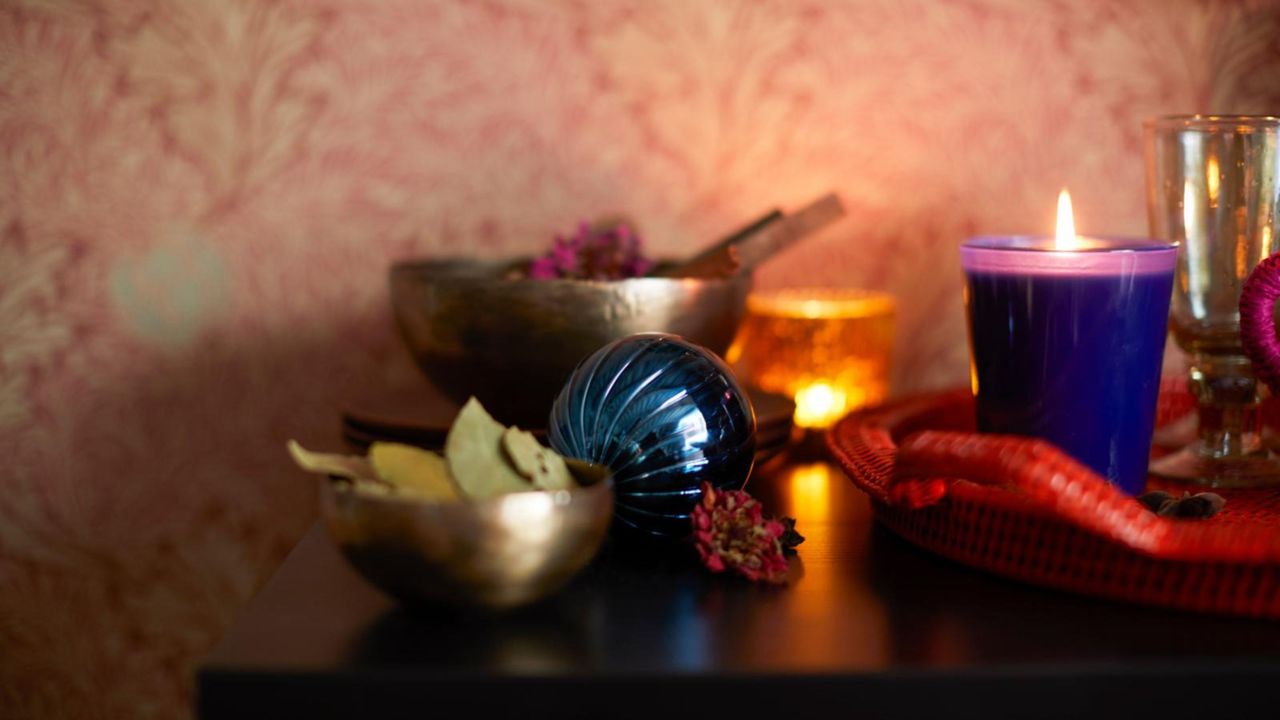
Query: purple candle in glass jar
(1067, 339)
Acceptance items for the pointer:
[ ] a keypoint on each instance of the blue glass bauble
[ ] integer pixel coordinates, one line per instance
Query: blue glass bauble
(665, 415)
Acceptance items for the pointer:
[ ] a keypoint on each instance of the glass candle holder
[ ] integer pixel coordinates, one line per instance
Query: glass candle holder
(1067, 344)
(828, 348)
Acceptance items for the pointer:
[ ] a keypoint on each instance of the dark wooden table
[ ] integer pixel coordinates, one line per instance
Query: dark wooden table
(869, 627)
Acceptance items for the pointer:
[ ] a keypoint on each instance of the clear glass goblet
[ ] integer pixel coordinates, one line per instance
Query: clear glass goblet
(1212, 187)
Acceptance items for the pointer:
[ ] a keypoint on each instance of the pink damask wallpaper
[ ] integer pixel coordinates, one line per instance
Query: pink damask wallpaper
(198, 201)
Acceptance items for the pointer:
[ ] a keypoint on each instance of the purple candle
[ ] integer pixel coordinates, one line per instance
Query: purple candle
(1067, 343)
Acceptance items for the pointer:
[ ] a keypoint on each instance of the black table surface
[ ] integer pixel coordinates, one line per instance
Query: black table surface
(869, 626)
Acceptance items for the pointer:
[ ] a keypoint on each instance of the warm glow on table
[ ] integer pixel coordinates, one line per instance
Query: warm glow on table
(811, 491)
(827, 348)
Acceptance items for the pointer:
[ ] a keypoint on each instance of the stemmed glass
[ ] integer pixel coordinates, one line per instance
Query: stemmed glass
(1212, 187)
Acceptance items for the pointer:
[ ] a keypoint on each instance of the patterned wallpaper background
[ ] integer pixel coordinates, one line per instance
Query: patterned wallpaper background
(198, 202)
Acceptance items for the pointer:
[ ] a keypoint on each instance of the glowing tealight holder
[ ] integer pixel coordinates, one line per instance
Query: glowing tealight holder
(827, 348)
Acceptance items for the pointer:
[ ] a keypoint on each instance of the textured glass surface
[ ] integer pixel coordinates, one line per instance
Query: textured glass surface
(665, 415)
(827, 348)
(1213, 185)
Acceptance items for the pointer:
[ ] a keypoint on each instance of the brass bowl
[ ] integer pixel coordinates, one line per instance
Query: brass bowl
(512, 342)
(498, 553)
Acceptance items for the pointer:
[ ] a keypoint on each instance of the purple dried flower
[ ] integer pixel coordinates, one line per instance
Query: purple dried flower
(543, 268)
(609, 253)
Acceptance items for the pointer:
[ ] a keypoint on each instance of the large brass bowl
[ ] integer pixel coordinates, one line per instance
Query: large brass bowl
(498, 553)
(512, 342)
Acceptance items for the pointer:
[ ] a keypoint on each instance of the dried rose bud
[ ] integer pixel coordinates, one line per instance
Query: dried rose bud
(731, 532)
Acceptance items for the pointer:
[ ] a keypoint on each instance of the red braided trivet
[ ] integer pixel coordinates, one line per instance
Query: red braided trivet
(1027, 511)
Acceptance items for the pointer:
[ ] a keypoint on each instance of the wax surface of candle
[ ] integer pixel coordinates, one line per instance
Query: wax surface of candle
(1074, 359)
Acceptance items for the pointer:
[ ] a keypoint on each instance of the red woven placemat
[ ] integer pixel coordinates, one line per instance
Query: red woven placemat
(1023, 509)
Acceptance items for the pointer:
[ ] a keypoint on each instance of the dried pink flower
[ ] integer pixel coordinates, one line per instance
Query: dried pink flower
(609, 253)
(731, 532)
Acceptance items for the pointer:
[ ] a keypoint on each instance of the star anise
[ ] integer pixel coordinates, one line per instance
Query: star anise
(1186, 507)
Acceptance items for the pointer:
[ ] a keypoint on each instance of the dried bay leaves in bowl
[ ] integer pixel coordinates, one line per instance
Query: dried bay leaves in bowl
(540, 465)
(473, 450)
(413, 470)
(483, 459)
(351, 468)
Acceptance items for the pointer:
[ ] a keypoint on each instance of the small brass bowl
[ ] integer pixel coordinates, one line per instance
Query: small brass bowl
(498, 553)
(513, 341)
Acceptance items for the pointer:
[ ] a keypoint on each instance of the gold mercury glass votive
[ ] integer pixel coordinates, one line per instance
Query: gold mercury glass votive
(827, 348)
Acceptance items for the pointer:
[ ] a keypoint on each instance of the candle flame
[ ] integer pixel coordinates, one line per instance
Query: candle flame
(1065, 239)
(1212, 178)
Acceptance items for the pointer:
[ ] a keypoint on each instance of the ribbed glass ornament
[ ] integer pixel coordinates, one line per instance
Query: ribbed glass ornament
(665, 415)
